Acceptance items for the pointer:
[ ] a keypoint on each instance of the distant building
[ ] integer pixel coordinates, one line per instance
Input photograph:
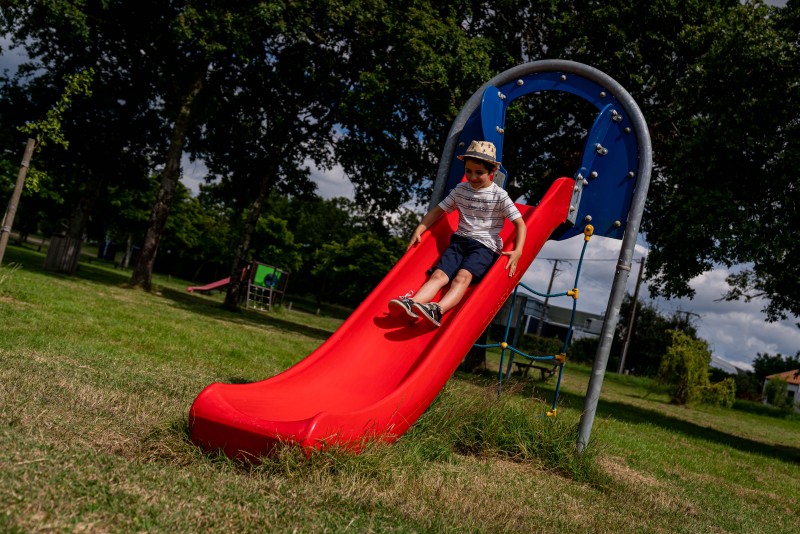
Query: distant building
(792, 379)
(528, 311)
(726, 366)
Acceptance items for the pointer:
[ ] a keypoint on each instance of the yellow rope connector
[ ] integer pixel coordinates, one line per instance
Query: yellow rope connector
(503, 345)
(552, 413)
(561, 358)
(573, 293)
(588, 231)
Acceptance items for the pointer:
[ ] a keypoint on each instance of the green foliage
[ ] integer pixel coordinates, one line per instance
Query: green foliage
(583, 350)
(274, 243)
(720, 393)
(747, 385)
(775, 393)
(651, 337)
(740, 76)
(759, 408)
(684, 368)
(540, 346)
(48, 129)
(352, 269)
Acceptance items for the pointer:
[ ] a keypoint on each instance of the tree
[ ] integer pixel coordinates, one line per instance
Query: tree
(684, 368)
(775, 393)
(46, 130)
(351, 270)
(719, 195)
(410, 67)
(651, 338)
(205, 37)
(267, 116)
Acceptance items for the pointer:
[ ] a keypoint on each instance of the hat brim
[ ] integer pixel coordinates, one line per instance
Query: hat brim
(480, 156)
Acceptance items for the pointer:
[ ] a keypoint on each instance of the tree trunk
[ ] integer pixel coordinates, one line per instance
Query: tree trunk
(65, 256)
(126, 259)
(143, 271)
(11, 210)
(234, 288)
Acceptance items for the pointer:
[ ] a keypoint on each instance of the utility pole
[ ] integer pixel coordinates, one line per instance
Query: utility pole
(546, 299)
(629, 331)
(11, 210)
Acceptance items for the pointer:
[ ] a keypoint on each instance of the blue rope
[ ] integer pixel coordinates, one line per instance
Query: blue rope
(504, 345)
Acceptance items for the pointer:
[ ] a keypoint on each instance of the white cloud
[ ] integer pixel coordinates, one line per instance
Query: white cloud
(331, 183)
(194, 173)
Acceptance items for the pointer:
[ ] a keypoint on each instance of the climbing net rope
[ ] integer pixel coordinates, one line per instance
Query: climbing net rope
(558, 359)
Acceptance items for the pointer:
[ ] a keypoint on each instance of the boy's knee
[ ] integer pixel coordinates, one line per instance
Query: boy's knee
(439, 276)
(463, 278)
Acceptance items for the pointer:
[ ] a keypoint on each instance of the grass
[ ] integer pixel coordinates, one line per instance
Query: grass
(96, 381)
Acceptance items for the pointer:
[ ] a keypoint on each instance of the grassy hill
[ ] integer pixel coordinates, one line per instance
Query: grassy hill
(96, 381)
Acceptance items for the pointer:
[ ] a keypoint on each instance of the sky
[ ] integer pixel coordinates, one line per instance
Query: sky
(736, 331)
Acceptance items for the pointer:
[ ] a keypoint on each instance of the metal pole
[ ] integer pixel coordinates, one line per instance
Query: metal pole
(623, 268)
(631, 319)
(11, 210)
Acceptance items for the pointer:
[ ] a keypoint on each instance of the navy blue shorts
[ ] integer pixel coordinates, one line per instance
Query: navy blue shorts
(468, 254)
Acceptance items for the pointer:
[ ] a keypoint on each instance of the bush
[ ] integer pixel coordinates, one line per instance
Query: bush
(720, 393)
(583, 350)
(775, 393)
(684, 368)
(540, 346)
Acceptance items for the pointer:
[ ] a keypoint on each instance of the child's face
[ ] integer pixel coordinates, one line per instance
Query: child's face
(477, 175)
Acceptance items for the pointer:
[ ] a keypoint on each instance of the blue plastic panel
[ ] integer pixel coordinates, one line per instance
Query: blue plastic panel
(610, 157)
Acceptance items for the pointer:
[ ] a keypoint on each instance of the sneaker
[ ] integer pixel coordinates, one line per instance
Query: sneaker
(402, 305)
(431, 311)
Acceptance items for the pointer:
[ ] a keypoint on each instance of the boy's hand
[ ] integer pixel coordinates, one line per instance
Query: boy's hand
(513, 258)
(415, 238)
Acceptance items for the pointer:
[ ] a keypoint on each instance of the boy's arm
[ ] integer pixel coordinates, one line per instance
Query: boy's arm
(519, 242)
(424, 224)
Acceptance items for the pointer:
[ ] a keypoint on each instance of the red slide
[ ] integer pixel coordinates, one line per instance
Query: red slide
(209, 287)
(377, 373)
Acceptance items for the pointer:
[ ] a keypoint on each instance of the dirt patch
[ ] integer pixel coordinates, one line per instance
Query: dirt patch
(619, 471)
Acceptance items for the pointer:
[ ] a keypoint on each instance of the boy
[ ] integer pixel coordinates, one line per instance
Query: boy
(482, 207)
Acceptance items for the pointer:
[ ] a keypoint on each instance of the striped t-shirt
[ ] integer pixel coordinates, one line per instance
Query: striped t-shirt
(481, 212)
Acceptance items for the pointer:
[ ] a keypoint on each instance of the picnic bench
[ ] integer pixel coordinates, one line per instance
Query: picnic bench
(547, 370)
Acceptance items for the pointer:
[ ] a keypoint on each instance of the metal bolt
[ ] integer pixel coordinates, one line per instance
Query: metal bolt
(602, 94)
(520, 82)
(499, 130)
(593, 175)
(588, 218)
(461, 144)
(576, 188)
(579, 177)
(627, 129)
(617, 224)
(600, 149)
(631, 174)
(616, 117)
(572, 208)
(501, 96)
(563, 77)
(586, 182)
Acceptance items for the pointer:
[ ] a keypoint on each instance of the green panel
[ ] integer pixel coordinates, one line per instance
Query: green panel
(266, 276)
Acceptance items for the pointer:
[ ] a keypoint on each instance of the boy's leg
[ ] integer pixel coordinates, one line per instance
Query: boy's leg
(431, 287)
(457, 289)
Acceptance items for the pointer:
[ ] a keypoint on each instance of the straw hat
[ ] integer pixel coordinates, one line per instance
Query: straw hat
(482, 150)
